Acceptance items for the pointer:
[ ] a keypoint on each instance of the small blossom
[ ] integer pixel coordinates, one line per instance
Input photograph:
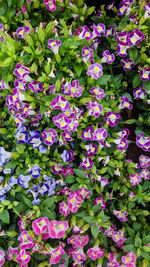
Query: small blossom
(107, 57)
(112, 118)
(101, 202)
(145, 74)
(57, 229)
(135, 37)
(50, 5)
(135, 179)
(127, 64)
(54, 45)
(86, 163)
(40, 225)
(49, 136)
(121, 215)
(95, 252)
(95, 71)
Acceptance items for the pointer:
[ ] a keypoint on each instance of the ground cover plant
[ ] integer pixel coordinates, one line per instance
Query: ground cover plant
(74, 101)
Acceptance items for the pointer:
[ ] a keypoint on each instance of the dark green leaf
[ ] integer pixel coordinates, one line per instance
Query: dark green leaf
(48, 202)
(28, 202)
(78, 69)
(80, 173)
(4, 216)
(95, 230)
(136, 81)
(70, 179)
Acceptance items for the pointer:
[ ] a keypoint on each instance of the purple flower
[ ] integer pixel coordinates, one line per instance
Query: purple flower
(72, 124)
(87, 54)
(85, 34)
(20, 84)
(95, 71)
(110, 6)
(86, 163)
(112, 118)
(35, 171)
(23, 180)
(61, 121)
(135, 37)
(2, 257)
(67, 135)
(121, 143)
(123, 8)
(21, 31)
(95, 109)
(66, 88)
(50, 5)
(22, 72)
(12, 181)
(49, 136)
(124, 133)
(76, 90)
(42, 149)
(145, 74)
(121, 215)
(3, 85)
(35, 86)
(125, 103)
(144, 161)
(122, 50)
(67, 155)
(110, 31)
(99, 135)
(22, 136)
(107, 57)
(135, 179)
(59, 102)
(127, 64)
(97, 92)
(122, 38)
(139, 93)
(35, 139)
(143, 142)
(147, 8)
(54, 45)
(57, 169)
(101, 202)
(98, 29)
(91, 149)
(87, 134)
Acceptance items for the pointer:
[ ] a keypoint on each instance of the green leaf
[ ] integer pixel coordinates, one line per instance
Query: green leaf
(41, 34)
(103, 79)
(90, 10)
(136, 81)
(78, 69)
(58, 58)
(138, 241)
(20, 148)
(48, 202)
(57, 85)
(88, 219)
(146, 248)
(133, 54)
(4, 216)
(95, 230)
(147, 85)
(3, 130)
(9, 2)
(29, 40)
(6, 63)
(28, 202)
(129, 248)
(80, 173)
(70, 179)
(12, 164)
(49, 213)
(130, 121)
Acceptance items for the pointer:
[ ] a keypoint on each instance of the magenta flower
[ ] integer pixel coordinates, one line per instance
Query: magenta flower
(124, 133)
(64, 208)
(57, 169)
(61, 121)
(135, 37)
(101, 202)
(56, 254)
(109, 232)
(122, 38)
(23, 257)
(2, 257)
(95, 252)
(125, 103)
(95, 109)
(49, 136)
(97, 92)
(10, 252)
(68, 171)
(22, 72)
(144, 161)
(91, 149)
(112, 118)
(123, 8)
(3, 85)
(145, 174)
(104, 181)
(121, 143)
(86, 163)
(121, 215)
(143, 142)
(98, 29)
(35, 86)
(22, 225)
(40, 225)
(99, 134)
(57, 229)
(147, 8)
(20, 84)
(129, 258)
(95, 71)
(139, 93)
(59, 102)
(74, 202)
(54, 45)
(66, 88)
(107, 57)
(145, 74)
(26, 242)
(50, 5)
(110, 31)
(78, 256)
(78, 240)
(87, 134)
(85, 34)
(127, 64)
(83, 193)
(118, 238)
(135, 179)
(21, 31)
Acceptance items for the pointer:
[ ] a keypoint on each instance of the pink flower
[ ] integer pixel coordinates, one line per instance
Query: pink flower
(50, 5)
(129, 258)
(56, 255)
(2, 257)
(86, 163)
(74, 202)
(121, 215)
(26, 241)
(78, 240)
(83, 193)
(40, 225)
(100, 201)
(95, 252)
(57, 229)
(10, 252)
(64, 208)
(78, 256)
(23, 256)
(22, 225)
(135, 179)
